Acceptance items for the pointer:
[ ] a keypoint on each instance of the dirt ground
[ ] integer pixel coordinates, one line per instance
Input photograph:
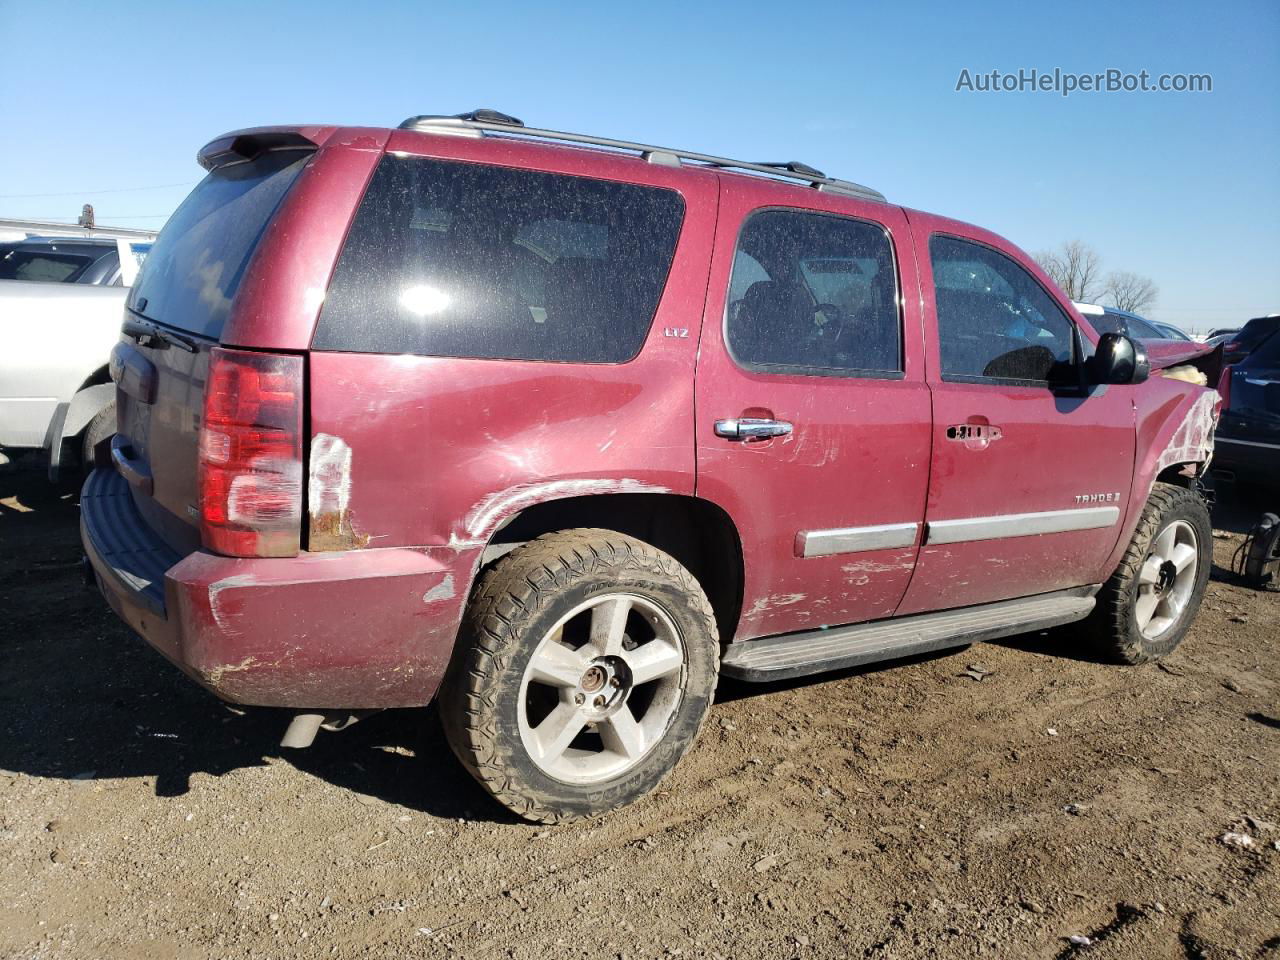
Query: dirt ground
(904, 811)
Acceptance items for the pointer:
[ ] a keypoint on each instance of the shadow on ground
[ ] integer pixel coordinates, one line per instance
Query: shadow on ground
(81, 696)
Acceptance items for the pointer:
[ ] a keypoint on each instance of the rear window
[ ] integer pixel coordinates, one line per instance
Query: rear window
(1256, 329)
(453, 259)
(194, 267)
(49, 267)
(1267, 355)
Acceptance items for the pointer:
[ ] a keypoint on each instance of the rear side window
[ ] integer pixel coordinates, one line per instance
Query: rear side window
(453, 259)
(194, 267)
(49, 267)
(995, 322)
(813, 293)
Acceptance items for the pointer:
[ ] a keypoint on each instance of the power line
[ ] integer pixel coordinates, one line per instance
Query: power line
(85, 193)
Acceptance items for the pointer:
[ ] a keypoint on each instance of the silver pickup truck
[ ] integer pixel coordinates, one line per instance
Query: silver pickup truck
(61, 306)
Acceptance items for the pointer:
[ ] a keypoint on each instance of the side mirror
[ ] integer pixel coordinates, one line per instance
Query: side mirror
(1118, 359)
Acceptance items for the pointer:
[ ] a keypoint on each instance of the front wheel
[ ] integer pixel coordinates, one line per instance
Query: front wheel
(591, 665)
(1147, 606)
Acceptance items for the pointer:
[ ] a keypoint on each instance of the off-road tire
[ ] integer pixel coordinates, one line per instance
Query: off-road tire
(1113, 626)
(515, 604)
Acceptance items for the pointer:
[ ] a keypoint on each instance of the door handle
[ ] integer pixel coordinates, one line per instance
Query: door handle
(748, 428)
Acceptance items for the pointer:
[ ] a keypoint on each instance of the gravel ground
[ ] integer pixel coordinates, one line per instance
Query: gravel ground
(912, 810)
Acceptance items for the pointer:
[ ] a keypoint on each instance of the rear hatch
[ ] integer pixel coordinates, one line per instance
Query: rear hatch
(176, 314)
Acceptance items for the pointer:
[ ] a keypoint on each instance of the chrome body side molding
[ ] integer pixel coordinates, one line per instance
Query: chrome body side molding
(1020, 525)
(823, 543)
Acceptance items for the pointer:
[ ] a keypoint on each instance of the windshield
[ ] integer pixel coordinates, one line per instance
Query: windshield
(192, 271)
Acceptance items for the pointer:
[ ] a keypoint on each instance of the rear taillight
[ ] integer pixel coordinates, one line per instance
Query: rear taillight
(1224, 386)
(251, 454)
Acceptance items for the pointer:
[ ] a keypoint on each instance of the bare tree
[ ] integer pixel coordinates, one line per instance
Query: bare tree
(1076, 268)
(1130, 291)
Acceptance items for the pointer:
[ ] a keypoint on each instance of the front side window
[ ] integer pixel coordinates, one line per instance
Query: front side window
(995, 322)
(452, 259)
(813, 293)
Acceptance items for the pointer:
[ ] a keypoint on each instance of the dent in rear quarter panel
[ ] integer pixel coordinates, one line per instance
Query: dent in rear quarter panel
(1175, 424)
(279, 299)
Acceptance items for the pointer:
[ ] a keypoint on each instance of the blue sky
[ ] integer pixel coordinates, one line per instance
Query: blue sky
(1184, 188)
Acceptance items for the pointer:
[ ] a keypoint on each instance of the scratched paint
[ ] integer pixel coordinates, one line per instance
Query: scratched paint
(220, 616)
(329, 496)
(1192, 442)
(764, 604)
(441, 591)
(484, 517)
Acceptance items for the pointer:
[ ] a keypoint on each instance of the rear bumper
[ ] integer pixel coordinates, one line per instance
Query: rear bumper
(1250, 460)
(343, 630)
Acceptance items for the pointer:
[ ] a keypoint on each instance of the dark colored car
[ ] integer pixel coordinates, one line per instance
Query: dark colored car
(1249, 337)
(1248, 439)
(61, 260)
(560, 427)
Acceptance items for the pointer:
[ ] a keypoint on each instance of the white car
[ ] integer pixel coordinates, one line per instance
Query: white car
(61, 307)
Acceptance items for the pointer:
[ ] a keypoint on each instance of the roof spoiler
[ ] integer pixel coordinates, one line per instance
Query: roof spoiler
(242, 146)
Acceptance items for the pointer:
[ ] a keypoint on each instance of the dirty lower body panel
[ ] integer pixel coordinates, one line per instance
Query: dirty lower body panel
(815, 651)
(346, 629)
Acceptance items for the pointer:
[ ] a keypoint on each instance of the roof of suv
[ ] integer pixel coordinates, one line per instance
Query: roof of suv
(485, 122)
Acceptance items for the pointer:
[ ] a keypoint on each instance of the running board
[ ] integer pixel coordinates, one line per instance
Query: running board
(816, 651)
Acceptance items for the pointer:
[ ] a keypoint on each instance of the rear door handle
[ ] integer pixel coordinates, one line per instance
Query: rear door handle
(748, 428)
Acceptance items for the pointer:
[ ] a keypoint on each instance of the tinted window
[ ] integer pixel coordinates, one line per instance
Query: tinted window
(194, 267)
(1107, 323)
(1266, 355)
(1142, 330)
(994, 320)
(1170, 332)
(49, 267)
(812, 292)
(468, 260)
(1253, 332)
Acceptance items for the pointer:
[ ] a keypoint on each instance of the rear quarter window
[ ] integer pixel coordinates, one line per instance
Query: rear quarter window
(454, 259)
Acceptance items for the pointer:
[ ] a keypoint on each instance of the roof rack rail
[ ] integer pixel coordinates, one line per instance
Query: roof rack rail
(479, 122)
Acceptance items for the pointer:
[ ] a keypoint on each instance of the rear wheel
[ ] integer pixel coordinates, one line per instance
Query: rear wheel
(1147, 606)
(592, 662)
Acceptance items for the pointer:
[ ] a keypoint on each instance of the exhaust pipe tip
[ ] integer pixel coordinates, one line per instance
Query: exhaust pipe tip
(302, 730)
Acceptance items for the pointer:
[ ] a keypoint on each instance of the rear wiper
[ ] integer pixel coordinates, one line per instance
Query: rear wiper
(150, 334)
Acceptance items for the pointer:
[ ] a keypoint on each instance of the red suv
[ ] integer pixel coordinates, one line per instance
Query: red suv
(561, 427)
